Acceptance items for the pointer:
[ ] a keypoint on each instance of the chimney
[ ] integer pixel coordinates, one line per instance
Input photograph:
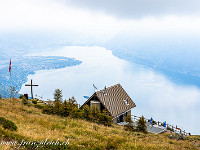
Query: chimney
(105, 91)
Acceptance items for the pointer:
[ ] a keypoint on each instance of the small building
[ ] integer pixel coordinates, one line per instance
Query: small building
(115, 100)
(49, 102)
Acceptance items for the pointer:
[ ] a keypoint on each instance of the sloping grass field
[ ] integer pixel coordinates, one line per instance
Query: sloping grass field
(33, 125)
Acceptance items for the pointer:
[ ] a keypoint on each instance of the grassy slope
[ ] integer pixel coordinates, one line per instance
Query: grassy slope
(33, 125)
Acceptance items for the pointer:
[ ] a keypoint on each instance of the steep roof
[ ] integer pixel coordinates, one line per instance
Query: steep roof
(113, 100)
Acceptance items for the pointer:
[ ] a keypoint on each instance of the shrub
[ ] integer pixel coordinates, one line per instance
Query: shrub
(34, 101)
(104, 118)
(95, 114)
(77, 113)
(24, 101)
(47, 109)
(39, 106)
(7, 124)
(128, 118)
(65, 108)
(129, 126)
(86, 112)
(21, 96)
(57, 108)
(141, 125)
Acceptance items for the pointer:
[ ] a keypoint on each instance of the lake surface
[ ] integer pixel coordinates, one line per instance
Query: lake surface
(155, 96)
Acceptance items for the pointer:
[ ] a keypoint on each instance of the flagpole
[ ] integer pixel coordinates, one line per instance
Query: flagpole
(11, 83)
(10, 79)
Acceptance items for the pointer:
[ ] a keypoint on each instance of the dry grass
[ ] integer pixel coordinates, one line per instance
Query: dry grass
(35, 126)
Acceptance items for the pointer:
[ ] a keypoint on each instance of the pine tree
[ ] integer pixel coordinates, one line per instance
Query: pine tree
(86, 112)
(129, 126)
(141, 125)
(57, 108)
(58, 95)
(128, 118)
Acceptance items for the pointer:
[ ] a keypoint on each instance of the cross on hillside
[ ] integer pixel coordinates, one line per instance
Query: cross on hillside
(31, 85)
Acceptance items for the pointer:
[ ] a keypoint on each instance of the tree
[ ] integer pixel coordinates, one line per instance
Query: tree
(58, 95)
(95, 113)
(104, 118)
(72, 100)
(86, 112)
(57, 108)
(128, 118)
(141, 125)
(129, 126)
(70, 108)
(65, 109)
(13, 92)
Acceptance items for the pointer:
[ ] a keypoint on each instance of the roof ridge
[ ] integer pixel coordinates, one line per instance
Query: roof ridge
(111, 87)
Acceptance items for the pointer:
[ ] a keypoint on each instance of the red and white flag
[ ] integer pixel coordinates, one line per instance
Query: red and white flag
(10, 66)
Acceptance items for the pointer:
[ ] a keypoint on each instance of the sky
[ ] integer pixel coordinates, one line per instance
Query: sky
(101, 17)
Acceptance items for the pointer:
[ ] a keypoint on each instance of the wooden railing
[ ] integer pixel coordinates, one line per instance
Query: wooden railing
(174, 129)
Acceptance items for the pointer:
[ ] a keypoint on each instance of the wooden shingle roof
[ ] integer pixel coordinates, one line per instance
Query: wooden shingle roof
(114, 100)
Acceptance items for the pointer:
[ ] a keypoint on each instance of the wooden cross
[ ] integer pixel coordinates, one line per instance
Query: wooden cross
(31, 85)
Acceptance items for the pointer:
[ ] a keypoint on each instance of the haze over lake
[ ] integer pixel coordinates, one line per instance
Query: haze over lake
(155, 96)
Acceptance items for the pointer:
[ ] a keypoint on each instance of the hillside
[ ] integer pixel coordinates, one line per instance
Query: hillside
(33, 125)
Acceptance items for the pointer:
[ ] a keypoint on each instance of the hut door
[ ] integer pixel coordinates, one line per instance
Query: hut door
(121, 118)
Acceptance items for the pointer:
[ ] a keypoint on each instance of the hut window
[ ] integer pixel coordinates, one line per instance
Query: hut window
(95, 104)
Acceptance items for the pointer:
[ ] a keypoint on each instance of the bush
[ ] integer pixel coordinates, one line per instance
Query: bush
(21, 96)
(47, 109)
(104, 118)
(95, 114)
(128, 118)
(24, 101)
(129, 127)
(34, 101)
(76, 113)
(141, 125)
(86, 112)
(69, 107)
(7, 124)
(57, 108)
(39, 106)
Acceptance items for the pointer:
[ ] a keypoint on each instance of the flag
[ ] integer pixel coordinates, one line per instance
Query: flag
(151, 120)
(95, 87)
(165, 124)
(10, 66)
(86, 97)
